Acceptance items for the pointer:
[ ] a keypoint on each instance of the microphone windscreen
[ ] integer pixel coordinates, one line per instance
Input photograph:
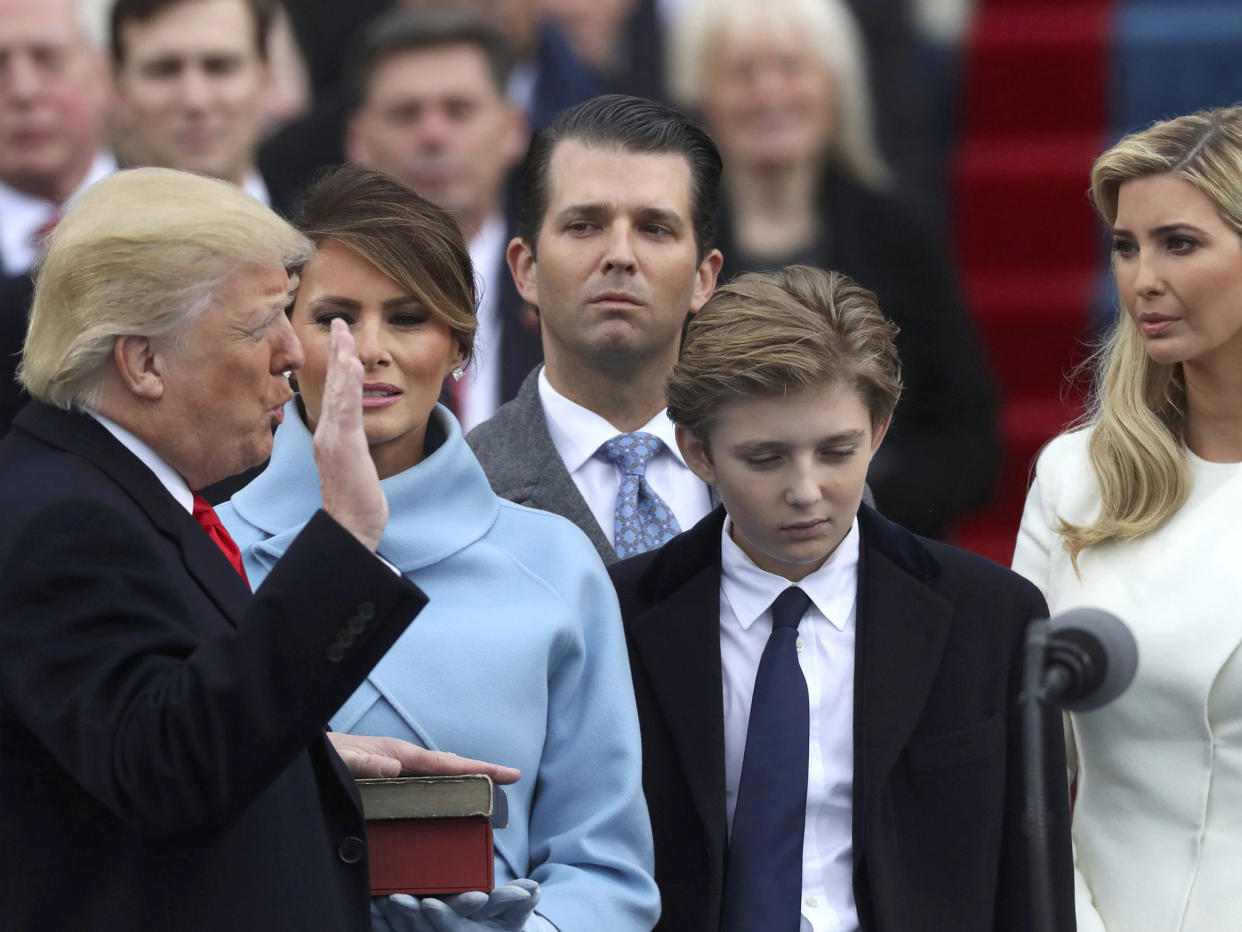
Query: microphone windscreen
(1112, 649)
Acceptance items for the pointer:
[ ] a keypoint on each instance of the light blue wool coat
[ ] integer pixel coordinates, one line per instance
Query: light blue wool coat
(518, 658)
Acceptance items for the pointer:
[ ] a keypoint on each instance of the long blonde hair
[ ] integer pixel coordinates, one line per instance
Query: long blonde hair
(1137, 415)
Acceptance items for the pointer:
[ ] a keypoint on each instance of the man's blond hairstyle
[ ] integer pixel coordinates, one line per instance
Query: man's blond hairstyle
(139, 254)
(770, 334)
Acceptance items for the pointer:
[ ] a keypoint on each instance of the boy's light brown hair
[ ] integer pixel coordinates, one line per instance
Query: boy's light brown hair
(768, 334)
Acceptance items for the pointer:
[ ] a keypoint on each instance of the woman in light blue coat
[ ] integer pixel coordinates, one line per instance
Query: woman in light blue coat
(519, 655)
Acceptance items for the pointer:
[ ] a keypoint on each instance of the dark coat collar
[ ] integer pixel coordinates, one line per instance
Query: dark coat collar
(80, 434)
(685, 555)
(902, 624)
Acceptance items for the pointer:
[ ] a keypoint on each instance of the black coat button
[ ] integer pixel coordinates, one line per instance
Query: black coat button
(336, 653)
(351, 849)
(365, 611)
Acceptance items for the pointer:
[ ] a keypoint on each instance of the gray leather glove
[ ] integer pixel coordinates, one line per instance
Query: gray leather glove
(505, 909)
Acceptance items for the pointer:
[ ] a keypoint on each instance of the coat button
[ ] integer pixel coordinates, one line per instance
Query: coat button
(336, 653)
(365, 611)
(351, 849)
(357, 624)
(345, 638)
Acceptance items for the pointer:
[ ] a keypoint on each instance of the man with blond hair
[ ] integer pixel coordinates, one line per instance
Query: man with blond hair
(432, 111)
(165, 762)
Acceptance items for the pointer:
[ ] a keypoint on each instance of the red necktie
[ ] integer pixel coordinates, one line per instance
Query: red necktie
(205, 515)
(38, 239)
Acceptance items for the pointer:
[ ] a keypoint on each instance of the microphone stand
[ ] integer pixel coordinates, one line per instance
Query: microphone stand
(1032, 700)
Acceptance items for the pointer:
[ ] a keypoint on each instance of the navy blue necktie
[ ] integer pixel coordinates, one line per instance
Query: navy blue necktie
(763, 886)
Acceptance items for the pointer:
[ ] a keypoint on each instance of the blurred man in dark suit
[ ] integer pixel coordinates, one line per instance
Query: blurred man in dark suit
(190, 78)
(165, 764)
(432, 111)
(54, 100)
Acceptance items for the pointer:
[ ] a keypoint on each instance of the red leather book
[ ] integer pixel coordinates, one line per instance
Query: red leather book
(432, 835)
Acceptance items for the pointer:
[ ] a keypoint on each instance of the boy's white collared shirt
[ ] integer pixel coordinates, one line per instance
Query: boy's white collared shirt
(826, 656)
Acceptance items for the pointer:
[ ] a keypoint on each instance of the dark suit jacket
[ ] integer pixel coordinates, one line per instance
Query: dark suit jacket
(303, 149)
(15, 294)
(521, 347)
(938, 799)
(164, 765)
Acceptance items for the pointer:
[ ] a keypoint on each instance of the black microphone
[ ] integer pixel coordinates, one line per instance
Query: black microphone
(1089, 660)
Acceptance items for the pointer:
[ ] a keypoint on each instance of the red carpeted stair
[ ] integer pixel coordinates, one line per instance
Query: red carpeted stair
(1035, 115)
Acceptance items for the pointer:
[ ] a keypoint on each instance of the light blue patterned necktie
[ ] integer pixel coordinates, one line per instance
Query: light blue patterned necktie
(643, 522)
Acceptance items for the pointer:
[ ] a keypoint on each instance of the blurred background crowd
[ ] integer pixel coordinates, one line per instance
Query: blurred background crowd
(935, 150)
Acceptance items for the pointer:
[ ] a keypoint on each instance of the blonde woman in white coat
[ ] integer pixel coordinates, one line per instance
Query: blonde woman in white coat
(1140, 512)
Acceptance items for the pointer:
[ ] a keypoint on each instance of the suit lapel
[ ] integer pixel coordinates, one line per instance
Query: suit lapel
(521, 347)
(214, 573)
(678, 643)
(554, 490)
(545, 482)
(902, 627)
(82, 435)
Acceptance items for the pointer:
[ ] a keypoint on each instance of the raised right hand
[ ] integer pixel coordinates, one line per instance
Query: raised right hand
(348, 480)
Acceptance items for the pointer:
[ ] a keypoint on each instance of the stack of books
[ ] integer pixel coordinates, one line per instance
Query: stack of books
(432, 835)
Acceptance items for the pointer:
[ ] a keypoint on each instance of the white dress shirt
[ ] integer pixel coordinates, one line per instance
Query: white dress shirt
(169, 477)
(478, 393)
(577, 433)
(22, 216)
(254, 185)
(826, 655)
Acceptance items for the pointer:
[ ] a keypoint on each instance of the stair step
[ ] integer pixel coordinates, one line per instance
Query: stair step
(1027, 61)
(1063, 294)
(1035, 115)
(987, 536)
(1034, 420)
(1021, 201)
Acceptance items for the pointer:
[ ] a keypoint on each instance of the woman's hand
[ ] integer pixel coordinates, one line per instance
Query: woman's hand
(505, 909)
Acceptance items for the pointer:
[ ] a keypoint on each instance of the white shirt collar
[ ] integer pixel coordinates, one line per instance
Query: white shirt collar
(22, 215)
(833, 587)
(478, 394)
(521, 87)
(254, 185)
(169, 478)
(488, 245)
(578, 432)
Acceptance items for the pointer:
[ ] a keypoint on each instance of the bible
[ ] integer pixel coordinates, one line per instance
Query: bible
(432, 835)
